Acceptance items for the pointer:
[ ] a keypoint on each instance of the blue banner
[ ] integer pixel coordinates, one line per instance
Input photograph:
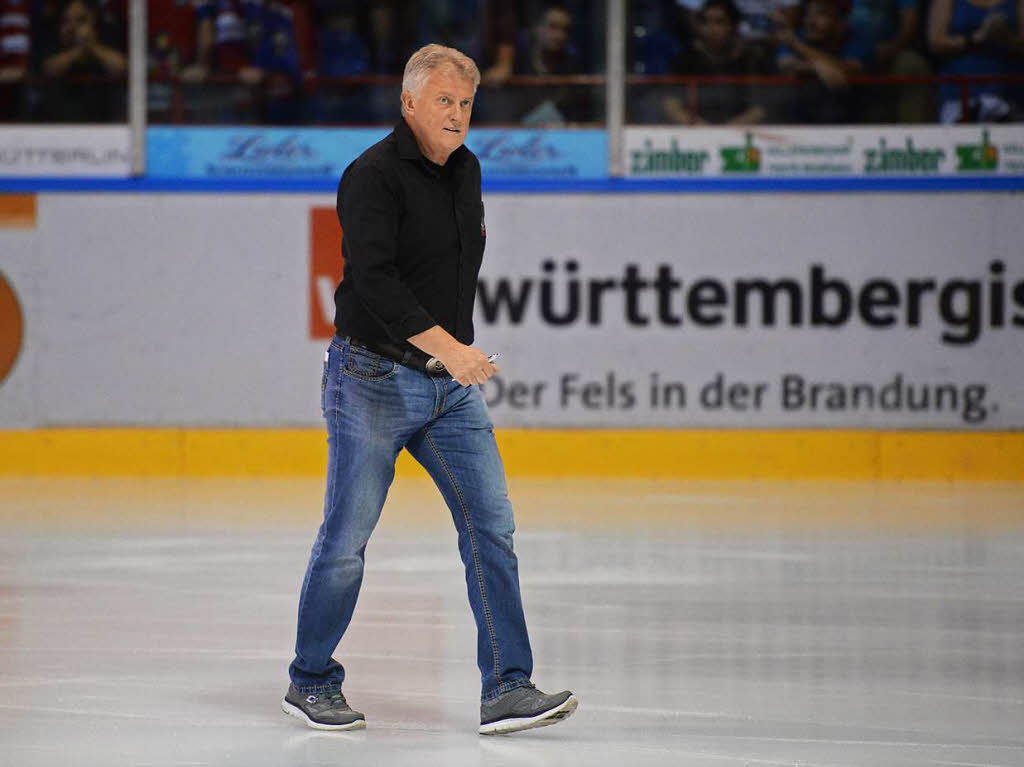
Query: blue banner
(533, 153)
(259, 153)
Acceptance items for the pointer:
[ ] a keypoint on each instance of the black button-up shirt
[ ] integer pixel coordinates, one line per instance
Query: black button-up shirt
(412, 241)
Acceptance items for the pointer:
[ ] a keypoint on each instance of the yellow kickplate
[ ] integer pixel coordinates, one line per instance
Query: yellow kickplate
(682, 454)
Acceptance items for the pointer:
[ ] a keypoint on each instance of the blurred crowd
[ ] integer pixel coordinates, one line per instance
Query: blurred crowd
(830, 46)
(279, 61)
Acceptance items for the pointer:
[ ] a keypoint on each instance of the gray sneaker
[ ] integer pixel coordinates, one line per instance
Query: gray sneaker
(322, 710)
(524, 708)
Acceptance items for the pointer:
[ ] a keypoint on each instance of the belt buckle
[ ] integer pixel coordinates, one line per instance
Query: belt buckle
(434, 366)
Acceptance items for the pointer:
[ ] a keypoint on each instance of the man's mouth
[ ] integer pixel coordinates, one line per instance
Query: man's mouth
(453, 130)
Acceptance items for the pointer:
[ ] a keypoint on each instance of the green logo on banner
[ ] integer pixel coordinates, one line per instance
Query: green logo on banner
(906, 159)
(975, 157)
(741, 159)
(671, 160)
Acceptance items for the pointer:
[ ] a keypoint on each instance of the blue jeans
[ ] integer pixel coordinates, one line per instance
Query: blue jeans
(374, 407)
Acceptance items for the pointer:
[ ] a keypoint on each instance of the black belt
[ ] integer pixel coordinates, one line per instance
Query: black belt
(411, 356)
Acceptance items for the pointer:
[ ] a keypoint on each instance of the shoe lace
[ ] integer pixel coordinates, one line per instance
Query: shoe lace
(336, 699)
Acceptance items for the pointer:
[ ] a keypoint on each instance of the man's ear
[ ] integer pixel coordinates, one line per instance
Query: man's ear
(407, 101)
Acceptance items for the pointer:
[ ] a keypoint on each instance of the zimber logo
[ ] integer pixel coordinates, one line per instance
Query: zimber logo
(656, 160)
(741, 159)
(905, 159)
(977, 157)
(11, 327)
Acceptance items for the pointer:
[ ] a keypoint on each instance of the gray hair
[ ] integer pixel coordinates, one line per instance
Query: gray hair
(431, 57)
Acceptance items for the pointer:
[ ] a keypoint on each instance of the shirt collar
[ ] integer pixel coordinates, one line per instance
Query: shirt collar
(408, 149)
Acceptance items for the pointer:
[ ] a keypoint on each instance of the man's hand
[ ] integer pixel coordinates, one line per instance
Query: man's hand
(994, 29)
(468, 365)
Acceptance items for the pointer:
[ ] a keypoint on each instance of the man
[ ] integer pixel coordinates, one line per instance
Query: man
(82, 51)
(827, 52)
(718, 50)
(400, 373)
(549, 50)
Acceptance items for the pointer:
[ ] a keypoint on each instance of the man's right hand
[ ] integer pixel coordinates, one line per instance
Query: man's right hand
(468, 365)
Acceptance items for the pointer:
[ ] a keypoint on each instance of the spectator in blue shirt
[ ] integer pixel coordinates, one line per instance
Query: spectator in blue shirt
(341, 51)
(228, 34)
(278, 52)
(978, 37)
(891, 27)
(253, 40)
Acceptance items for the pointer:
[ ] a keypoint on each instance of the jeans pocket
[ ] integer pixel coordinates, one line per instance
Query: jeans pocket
(323, 382)
(367, 366)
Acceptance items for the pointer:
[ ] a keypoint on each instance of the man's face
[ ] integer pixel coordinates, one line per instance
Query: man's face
(74, 17)
(822, 23)
(554, 30)
(716, 29)
(439, 114)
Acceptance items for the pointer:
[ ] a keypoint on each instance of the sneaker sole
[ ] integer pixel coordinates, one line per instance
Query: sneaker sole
(298, 713)
(552, 716)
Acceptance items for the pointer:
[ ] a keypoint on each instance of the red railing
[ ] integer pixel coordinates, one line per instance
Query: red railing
(313, 83)
(692, 83)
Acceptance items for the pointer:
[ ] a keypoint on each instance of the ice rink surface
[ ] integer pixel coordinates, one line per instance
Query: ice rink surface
(150, 622)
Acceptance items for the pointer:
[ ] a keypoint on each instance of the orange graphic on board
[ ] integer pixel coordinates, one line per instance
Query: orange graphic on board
(11, 328)
(17, 211)
(325, 266)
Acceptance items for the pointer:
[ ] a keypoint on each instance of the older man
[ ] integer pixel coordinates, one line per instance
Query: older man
(401, 373)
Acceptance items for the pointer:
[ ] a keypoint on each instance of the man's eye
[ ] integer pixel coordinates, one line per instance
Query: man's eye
(465, 102)
(444, 99)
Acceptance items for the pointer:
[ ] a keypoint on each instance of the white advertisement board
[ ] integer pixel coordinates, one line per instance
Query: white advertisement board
(646, 310)
(65, 150)
(865, 151)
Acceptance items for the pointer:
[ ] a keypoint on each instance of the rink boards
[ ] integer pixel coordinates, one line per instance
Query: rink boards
(746, 313)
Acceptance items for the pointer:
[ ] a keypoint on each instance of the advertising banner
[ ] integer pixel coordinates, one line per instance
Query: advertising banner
(19, 275)
(776, 151)
(754, 311)
(653, 310)
(323, 153)
(65, 151)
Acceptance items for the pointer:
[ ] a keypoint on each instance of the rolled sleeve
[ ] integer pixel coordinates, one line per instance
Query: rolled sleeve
(368, 210)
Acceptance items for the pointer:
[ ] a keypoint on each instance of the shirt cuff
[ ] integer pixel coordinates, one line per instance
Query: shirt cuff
(411, 325)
